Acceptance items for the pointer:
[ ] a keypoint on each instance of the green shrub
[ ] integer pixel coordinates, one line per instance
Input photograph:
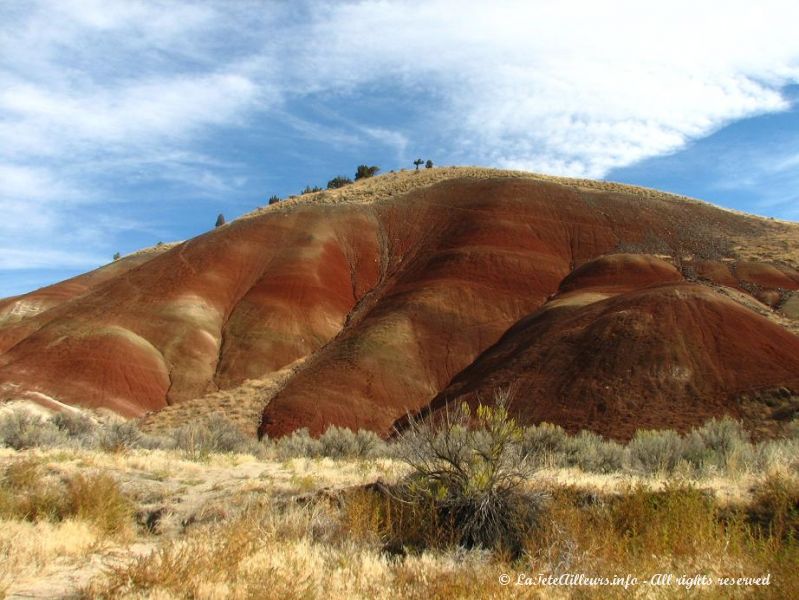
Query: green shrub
(364, 171)
(120, 436)
(369, 444)
(592, 453)
(158, 441)
(338, 182)
(776, 453)
(340, 442)
(655, 451)
(299, 444)
(545, 444)
(719, 444)
(74, 423)
(466, 482)
(212, 434)
(19, 429)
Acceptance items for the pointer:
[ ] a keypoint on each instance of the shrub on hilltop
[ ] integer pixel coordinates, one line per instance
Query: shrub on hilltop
(338, 182)
(364, 171)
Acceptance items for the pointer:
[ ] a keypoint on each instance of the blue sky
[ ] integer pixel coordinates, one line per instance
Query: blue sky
(127, 123)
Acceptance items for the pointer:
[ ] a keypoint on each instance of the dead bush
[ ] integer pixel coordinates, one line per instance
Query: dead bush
(99, 500)
(28, 493)
(775, 509)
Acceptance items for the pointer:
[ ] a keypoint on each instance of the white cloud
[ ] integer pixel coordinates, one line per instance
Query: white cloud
(144, 112)
(581, 87)
(391, 138)
(25, 195)
(135, 87)
(42, 257)
(114, 90)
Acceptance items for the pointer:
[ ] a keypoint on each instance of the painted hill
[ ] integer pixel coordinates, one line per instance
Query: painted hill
(644, 349)
(607, 306)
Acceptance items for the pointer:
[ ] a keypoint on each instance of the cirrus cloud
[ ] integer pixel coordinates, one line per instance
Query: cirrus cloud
(95, 94)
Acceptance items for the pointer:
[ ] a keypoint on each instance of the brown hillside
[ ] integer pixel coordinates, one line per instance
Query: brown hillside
(674, 353)
(386, 291)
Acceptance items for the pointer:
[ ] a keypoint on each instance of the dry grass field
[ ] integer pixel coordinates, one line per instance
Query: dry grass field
(111, 518)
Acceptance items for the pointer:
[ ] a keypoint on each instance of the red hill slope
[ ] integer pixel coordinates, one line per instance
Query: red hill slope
(653, 353)
(400, 290)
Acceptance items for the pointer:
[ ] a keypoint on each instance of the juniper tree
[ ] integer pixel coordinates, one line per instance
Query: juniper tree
(338, 182)
(365, 171)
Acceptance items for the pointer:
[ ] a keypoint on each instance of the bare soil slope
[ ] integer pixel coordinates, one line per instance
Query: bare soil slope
(671, 353)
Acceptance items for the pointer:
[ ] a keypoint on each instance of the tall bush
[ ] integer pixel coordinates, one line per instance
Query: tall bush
(467, 473)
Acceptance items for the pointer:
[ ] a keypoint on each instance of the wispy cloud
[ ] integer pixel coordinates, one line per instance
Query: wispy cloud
(92, 90)
(12, 258)
(576, 87)
(99, 91)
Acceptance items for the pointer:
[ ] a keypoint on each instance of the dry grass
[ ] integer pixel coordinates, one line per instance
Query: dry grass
(237, 526)
(269, 552)
(29, 551)
(318, 550)
(28, 492)
(242, 405)
(366, 191)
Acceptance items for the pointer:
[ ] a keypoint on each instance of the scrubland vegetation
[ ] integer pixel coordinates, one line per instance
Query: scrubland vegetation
(97, 508)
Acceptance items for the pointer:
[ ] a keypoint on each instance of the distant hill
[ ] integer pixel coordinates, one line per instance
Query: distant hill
(603, 306)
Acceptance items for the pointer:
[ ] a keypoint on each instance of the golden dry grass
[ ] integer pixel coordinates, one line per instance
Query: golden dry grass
(309, 551)
(366, 191)
(242, 405)
(241, 527)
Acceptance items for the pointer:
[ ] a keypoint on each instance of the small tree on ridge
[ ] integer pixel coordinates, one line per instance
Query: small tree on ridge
(338, 182)
(365, 171)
